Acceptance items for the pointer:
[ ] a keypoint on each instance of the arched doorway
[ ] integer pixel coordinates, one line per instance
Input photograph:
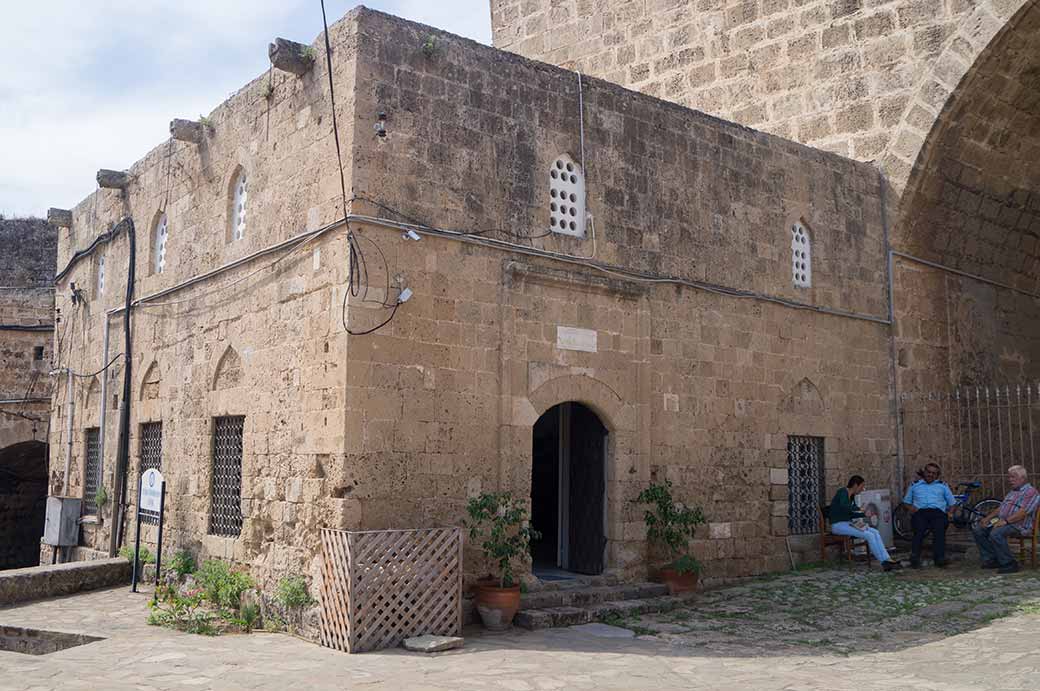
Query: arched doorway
(23, 503)
(568, 490)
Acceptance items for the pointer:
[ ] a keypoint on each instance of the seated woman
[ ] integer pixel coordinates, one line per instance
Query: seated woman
(843, 512)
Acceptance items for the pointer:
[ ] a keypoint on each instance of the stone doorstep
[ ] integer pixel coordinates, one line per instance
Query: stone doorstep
(574, 584)
(565, 615)
(580, 597)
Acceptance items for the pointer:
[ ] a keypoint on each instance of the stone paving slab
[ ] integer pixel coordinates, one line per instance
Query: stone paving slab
(998, 654)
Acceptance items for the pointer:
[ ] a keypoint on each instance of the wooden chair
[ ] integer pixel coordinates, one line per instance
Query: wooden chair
(845, 543)
(1030, 540)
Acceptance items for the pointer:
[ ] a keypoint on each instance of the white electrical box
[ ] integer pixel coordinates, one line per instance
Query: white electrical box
(877, 504)
(62, 526)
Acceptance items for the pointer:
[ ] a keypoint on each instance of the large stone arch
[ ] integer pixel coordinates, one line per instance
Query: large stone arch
(936, 93)
(23, 502)
(972, 204)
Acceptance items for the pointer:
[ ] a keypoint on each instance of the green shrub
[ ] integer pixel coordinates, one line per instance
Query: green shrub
(500, 521)
(671, 524)
(144, 556)
(222, 586)
(183, 563)
(182, 612)
(291, 593)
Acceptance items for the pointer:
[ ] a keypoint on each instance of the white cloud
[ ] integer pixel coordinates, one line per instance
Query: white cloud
(96, 83)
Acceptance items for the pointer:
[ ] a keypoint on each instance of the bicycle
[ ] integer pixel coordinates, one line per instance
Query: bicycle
(965, 513)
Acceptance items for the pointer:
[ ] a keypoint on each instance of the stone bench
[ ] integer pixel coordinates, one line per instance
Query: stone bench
(35, 582)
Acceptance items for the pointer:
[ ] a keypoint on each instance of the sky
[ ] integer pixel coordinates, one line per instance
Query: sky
(92, 85)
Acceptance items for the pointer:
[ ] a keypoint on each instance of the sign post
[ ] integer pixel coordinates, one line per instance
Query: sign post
(151, 496)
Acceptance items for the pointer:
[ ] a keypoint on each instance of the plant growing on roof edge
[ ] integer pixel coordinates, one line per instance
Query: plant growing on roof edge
(500, 521)
(671, 524)
(429, 46)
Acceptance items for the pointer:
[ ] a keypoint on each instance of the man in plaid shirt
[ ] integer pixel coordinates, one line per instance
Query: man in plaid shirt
(1014, 516)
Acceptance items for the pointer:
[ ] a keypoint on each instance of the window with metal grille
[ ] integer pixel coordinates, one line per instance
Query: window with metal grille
(91, 470)
(151, 457)
(805, 484)
(226, 509)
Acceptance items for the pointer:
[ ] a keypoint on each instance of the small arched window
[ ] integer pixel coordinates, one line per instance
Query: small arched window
(566, 197)
(238, 206)
(159, 235)
(101, 274)
(801, 256)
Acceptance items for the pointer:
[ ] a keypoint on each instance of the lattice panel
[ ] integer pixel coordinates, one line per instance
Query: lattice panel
(225, 516)
(91, 471)
(805, 483)
(380, 587)
(151, 457)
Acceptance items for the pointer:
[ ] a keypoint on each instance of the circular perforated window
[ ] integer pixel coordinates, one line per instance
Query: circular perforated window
(801, 257)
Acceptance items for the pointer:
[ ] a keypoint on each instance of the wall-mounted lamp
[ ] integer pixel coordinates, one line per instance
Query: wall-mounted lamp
(411, 235)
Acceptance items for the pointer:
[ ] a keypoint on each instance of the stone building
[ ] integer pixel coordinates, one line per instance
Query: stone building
(560, 288)
(27, 252)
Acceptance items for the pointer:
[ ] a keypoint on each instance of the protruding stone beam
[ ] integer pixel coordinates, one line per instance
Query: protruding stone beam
(187, 130)
(60, 218)
(290, 56)
(113, 179)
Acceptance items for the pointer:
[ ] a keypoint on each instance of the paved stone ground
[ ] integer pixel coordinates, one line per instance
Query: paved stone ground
(818, 629)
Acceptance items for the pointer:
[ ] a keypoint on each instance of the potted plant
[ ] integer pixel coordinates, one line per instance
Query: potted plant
(672, 525)
(500, 522)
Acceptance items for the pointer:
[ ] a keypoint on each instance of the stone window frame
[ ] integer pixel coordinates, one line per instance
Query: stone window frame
(160, 246)
(801, 255)
(238, 204)
(566, 197)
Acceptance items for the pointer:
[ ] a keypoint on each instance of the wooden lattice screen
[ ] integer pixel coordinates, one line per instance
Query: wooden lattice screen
(382, 586)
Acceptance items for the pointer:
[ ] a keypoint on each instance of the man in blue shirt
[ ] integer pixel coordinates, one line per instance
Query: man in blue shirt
(928, 503)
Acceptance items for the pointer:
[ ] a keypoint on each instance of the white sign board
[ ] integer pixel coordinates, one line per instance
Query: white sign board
(151, 490)
(570, 338)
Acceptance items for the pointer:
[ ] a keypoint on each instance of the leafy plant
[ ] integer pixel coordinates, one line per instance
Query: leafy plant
(248, 618)
(291, 593)
(206, 122)
(671, 524)
(222, 586)
(100, 497)
(501, 521)
(429, 46)
(145, 556)
(182, 612)
(308, 53)
(182, 563)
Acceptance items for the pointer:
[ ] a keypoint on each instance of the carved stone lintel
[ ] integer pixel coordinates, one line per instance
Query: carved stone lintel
(291, 56)
(186, 130)
(60, 218)
(113, 179)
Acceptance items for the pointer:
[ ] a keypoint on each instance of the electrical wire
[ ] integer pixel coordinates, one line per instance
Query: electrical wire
(94, 374)
(332, 100)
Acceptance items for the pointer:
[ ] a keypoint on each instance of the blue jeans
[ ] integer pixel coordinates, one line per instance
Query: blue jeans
(871, 535)
(993, 544)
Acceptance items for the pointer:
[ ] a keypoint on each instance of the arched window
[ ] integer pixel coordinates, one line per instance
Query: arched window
(101, 274)
(238, 206)
(566, 197)
(159, 235)
(801, 256)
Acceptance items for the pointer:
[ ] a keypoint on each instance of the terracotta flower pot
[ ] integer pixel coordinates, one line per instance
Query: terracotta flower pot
(497, 606)
(679, 582)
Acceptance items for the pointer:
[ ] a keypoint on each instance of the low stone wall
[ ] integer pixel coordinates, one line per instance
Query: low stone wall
(35, 582)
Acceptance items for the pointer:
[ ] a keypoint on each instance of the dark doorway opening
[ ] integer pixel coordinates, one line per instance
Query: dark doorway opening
(568, 490)
(23, 503)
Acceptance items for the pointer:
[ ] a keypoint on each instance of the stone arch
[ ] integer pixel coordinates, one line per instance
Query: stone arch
(23, 501)
(580, 388)
(151, 382)
(93, 397)
(935, 94)
(804, 398)
(230, 371)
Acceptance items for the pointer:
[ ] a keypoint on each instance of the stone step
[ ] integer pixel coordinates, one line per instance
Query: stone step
(585, 596)
(565, 615)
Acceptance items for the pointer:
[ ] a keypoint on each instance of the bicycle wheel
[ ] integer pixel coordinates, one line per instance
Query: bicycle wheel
(901, 523)
(983, 509)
